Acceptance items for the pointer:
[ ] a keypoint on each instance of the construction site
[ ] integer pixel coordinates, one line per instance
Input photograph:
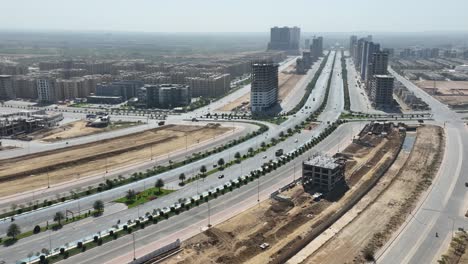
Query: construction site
(287, 80)
(94, 159)
(276, 229)
(452, 93)
(386, 206)
(77, 129)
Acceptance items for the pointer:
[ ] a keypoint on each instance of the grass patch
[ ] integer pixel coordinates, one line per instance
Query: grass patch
(144, 197)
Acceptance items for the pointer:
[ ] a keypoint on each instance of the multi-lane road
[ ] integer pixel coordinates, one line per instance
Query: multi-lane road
(443, 206)
(441, 209)
(88, 227)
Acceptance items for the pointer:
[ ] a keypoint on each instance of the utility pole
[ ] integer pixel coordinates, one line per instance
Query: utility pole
(48, 179)
(134, 250)
(209, 214)
(258, 188)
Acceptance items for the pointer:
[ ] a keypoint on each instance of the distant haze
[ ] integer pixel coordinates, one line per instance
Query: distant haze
(235, 15)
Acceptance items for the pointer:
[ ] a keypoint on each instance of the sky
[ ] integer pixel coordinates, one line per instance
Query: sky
(235, 15)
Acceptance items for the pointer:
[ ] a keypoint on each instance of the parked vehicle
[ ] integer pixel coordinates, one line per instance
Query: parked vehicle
(161, 123)
(221, 176)
(279, 152)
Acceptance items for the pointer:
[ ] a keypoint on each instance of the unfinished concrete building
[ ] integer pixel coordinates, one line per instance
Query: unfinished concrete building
(381, 91)
(322, 173)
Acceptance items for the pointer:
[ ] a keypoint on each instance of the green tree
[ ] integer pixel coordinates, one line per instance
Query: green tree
(13, 231)
(98, 206)
(221, 162)
(130, 195)
(203, 169)
(182, 177)
(237, 155)
(159, 184)
(251, 150)
(58, 217)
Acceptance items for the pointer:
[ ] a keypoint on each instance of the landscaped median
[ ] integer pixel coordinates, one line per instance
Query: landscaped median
(161, 214)
(120, 180)
(14, 232)
(310, 86)
(344, 75)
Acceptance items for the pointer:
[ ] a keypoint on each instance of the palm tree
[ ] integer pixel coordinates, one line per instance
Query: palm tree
(58, 217)
(98, 206)
(182, 177)
(159, 184)
(13, 231)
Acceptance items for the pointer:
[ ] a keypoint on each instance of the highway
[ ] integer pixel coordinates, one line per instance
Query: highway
(188, 223)
(89, 226)
(443, 206)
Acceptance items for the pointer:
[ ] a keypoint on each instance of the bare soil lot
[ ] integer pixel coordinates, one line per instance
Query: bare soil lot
(279, 224)
(452, 93)
(77, 129)
(287, 80)
(386, 206)
(30, 172)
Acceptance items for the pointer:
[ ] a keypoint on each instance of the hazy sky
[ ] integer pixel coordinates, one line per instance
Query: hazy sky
(235, 15)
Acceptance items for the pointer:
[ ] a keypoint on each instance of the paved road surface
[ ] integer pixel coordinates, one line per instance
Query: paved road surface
(445, 203)
(87, 227)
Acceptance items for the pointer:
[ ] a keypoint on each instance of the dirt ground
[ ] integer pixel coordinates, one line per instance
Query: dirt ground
(452, 93)
(287, 80)
(456, 253)
(382, 212)
(77, 129)
(279, 224)
(30, 172)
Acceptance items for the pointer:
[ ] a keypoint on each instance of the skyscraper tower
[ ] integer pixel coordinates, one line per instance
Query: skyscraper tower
(264, 88)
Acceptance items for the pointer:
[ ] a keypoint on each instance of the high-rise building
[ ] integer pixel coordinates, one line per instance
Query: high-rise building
(264, 87)
(7, 91)
(316, 49)
(285, 38)
(352, 43)
(46, 90)
(381, 91)
(307, 43)
(378, 64)
(368, 49)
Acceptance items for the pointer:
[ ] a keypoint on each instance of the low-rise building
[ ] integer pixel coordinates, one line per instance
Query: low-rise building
(322, 172)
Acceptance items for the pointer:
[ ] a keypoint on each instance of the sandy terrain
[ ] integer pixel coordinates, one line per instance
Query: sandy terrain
(448, 92)
(380, 211)
(237, 240)
(287, 80)
(77, 129)
(30, 172)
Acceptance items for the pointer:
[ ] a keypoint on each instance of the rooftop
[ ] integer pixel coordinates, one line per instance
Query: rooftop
(323, 161)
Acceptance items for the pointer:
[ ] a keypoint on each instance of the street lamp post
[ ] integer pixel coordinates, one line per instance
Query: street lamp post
(134, 250)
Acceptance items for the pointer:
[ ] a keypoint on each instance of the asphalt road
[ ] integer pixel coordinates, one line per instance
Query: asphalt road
(90, 226)
(443, 206)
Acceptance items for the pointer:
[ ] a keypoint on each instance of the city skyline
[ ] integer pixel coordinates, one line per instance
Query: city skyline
(213, 16)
